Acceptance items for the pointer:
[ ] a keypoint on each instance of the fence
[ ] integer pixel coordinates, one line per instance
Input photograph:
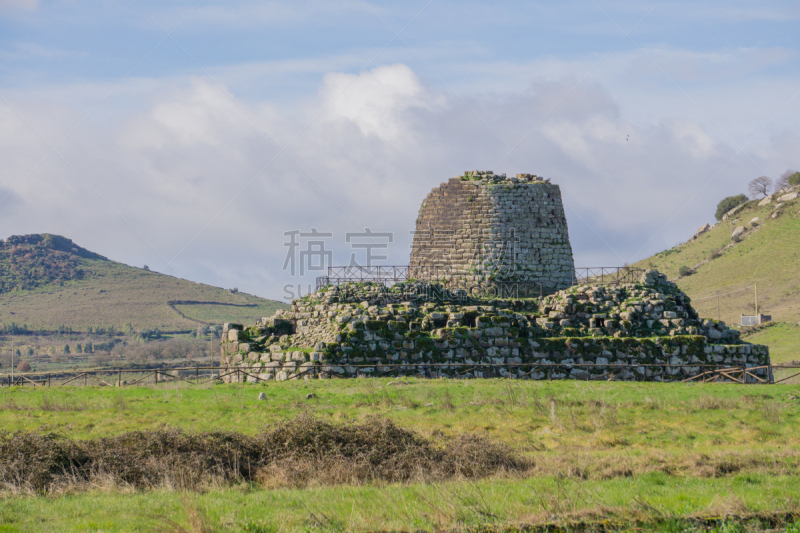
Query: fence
(606, 275)
(205, 375)
(389, 275)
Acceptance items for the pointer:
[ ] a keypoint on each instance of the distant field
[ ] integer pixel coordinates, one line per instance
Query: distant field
(114, 294)
(783, 341)
(620, 451)
(242, 313)
(769, 257)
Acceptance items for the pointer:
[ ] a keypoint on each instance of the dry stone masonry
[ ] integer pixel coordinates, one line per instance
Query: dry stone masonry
(487, 229)
(484, 230)
(584, 332)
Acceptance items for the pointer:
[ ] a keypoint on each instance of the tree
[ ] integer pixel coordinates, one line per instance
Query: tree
(147, 268)
(66, 349)
(760, 185)
(24, 366)
(783, 181)
(729, 203)
(78, 348)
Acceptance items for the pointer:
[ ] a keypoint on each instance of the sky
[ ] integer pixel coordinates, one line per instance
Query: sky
(202, 138)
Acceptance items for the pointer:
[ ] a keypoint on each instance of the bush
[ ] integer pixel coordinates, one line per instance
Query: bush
(729, 203)
(794, 179)
(24, 366)
(685, 271)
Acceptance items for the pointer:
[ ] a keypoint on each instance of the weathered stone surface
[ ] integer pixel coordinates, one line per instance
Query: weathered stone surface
(789, 197)
(646, 324)
(701, 230)
(766, 201)
(737, 233)
(733, 211)
(488, 230)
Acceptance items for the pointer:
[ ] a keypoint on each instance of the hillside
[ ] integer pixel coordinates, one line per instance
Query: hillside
(47, 281)
(766, 254)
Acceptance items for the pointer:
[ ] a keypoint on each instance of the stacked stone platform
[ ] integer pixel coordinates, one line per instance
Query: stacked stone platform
(643, 331)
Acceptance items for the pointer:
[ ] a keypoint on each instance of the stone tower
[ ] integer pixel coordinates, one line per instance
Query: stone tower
(483, 230)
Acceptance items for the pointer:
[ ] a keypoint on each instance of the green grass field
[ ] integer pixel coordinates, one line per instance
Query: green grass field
(113, 294)
(638, 503)
(783, 341)
(600, 451)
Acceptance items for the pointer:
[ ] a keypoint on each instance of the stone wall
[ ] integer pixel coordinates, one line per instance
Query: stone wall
(486, 228)
(578, 333)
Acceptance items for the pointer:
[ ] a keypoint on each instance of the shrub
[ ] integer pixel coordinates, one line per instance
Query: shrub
(789, 178)
(24, 366)
(729, 203)
(283, 455)
(685, 271)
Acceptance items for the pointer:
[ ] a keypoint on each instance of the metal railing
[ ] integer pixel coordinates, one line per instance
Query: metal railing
(606, 275)
(383, 274)
(389, 275)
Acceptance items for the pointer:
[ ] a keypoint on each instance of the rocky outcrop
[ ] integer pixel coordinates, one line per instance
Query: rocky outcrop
(766, 201)
(701, 230)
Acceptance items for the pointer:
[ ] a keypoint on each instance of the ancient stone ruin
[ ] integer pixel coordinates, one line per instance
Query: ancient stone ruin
(642, 331)
(484, 231)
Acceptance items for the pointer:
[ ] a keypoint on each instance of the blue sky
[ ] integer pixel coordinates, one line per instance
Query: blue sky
(191, 135)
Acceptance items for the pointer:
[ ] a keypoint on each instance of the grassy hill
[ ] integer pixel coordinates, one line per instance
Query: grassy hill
(725, 271)
(47, 281)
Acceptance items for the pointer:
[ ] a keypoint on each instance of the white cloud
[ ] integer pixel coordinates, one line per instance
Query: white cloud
(187, 164)
(377, 101)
